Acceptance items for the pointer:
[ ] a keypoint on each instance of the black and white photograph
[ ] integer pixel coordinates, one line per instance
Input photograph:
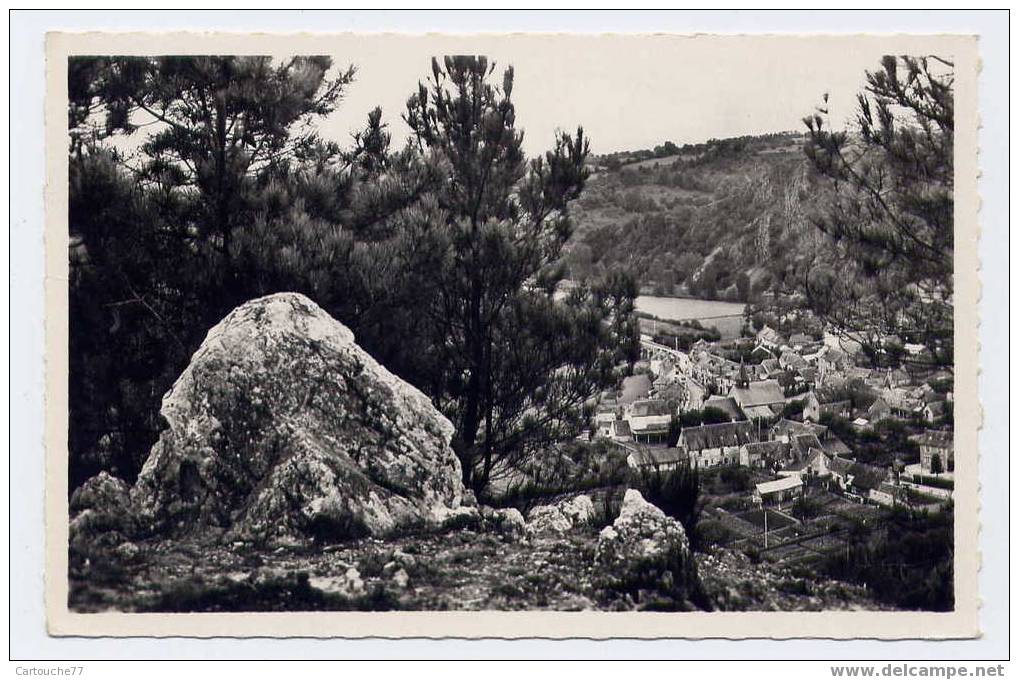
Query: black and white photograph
(606, 324)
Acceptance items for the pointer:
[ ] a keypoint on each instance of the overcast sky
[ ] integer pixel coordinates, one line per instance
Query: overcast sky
(628, 92)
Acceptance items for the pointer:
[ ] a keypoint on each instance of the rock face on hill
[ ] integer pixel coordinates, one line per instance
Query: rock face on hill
(282, 428)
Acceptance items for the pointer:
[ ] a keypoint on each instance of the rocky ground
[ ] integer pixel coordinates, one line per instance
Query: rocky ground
(472, 568)
(461, 569)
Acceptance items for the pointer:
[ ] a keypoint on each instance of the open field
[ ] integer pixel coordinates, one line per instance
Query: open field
(727, 317)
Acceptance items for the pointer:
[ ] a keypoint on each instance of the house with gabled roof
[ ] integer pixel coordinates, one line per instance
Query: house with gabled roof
(785, 429)
(834, 446)
(649, 420)
(879, 410)
(819, 403)
(621, 431)
(901, 401)
(727, 405)
(710, 368)
(809, 374)
(860, 373)
(717, 444)
(938, 443)
(858, 478)
(770, 338)
(605, 415)
(778, 491)
(831, 361)
(897, 378)
(814, 464)
(700, 345)
(770, 367)
(658, 458)
(792, 361)
(839, 468)
(667, 382)
(800, 340)
(768, 454)
(806, 456)
(802, 444)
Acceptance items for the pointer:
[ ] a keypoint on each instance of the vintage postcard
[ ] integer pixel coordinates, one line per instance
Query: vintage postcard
(529, 335)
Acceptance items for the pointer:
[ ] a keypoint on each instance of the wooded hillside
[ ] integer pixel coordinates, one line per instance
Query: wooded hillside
(724, 219)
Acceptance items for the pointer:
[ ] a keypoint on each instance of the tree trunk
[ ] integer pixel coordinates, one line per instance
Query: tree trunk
(469, 424)
(222, 199)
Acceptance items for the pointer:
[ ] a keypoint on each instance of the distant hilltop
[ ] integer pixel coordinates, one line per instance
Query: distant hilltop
(669, 151)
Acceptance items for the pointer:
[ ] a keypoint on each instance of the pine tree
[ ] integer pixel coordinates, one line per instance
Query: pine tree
(889, 211)
(513, 362)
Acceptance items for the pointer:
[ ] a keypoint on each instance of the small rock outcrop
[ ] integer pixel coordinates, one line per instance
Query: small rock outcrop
(282, 428)
(101, 508)
(506, 521)
(646, 552)
(102, 492)
(561, 517)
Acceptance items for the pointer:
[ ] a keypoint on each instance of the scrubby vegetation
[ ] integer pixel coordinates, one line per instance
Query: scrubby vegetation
(906, 561)
(886, 442)
(665, 582)
(937, 482)
(574, 467)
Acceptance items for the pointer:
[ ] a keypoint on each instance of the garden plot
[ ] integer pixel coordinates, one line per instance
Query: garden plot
(776, 520)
